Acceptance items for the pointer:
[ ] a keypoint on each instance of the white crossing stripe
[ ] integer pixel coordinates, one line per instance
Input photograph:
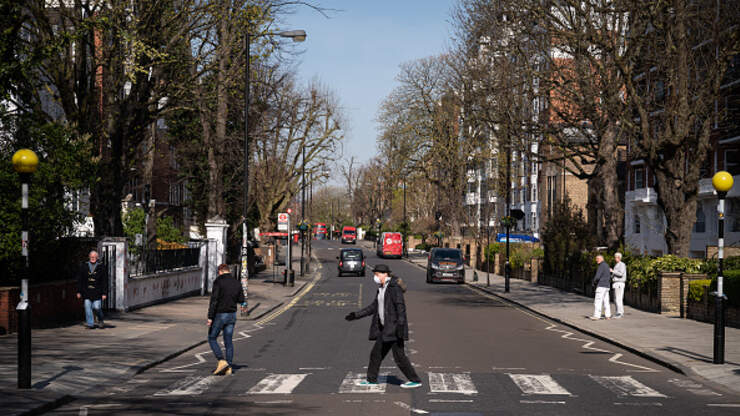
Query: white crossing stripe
(277, 384)
(451, 383)
(190, 386)
(626, 386)
(538, 384)
(351, 380)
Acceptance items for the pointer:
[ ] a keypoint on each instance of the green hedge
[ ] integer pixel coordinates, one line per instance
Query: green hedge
(424, 246)
(643, 271)
(696, 289)
(730, 263)
(730, 286)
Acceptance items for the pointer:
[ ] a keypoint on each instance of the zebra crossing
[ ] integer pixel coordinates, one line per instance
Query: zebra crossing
(458, 383)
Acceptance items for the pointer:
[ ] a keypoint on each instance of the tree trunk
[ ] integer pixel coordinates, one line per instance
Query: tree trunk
(677, 197)
(613, 211)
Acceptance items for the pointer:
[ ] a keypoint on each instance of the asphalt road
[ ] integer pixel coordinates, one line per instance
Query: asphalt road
(475, 354)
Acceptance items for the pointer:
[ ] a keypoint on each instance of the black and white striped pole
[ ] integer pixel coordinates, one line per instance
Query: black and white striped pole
(722, 182)
(25, 163)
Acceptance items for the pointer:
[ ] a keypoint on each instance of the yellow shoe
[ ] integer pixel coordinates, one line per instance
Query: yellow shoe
(228, 372)
(222, 365)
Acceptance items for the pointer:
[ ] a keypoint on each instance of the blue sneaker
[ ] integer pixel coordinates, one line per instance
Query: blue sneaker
(366, 383)
(410, 385)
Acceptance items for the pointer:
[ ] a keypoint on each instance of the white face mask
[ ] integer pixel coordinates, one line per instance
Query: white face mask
(377, 279)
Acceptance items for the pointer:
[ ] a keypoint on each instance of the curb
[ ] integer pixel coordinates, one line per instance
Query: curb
(265, 312)
(673, 367)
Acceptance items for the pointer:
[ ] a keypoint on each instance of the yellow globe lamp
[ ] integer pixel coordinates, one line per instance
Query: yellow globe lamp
(722, 181)
(25, 161)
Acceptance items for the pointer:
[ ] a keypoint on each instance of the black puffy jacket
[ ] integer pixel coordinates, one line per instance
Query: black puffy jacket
(396, 326)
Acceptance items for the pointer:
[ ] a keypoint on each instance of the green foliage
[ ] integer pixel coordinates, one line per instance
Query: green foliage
(696, 289)
(134, 222)
(424, 246)
(642, 271)
(710, 266)
(64, 165)
(566, 238)
(730, 286)
(167, 231)
(522, 255)
(491, 251)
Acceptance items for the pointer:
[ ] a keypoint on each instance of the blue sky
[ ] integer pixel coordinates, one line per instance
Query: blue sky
(357, 52)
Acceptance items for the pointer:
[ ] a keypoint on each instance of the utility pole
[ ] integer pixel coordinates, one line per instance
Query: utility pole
(303, 208)
(507, 267)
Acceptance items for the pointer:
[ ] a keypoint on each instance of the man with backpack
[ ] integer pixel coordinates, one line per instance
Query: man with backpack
(389, 327)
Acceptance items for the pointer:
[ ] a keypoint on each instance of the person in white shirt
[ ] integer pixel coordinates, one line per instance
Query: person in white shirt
(619, 280)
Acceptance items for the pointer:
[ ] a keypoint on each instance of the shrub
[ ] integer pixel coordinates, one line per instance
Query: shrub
(565, 237)
(423, 246)
(643, 271)
(730, 286)
(710, 266)
(492, 249)
(168, 232)
(696, 289)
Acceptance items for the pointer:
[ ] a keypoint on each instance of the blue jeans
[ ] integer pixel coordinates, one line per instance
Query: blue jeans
(90, 307)
(225, 322)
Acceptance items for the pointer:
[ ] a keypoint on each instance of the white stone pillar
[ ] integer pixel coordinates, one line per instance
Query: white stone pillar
(120, 245)
(216, 233)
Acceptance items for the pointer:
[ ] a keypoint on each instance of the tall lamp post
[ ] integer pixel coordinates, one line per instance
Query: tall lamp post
(722, 182)
(25, 163)
(405, 224)
(297, 36)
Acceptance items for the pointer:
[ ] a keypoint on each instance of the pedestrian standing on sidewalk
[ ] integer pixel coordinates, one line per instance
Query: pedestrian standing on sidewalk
(602, 281)
(389, 327)
(92, 286)
(226, 294)
(619, 279)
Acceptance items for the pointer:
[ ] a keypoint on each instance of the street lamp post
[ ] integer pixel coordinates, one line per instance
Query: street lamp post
(297, 36)
(405, 224)
(25, 163)
(722, 182)
(303, 207)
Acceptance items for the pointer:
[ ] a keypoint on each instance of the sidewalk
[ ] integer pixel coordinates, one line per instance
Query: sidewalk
(683, 345)
(73, 360)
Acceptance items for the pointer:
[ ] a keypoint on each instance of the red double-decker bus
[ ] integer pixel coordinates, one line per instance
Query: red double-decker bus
(320, 231)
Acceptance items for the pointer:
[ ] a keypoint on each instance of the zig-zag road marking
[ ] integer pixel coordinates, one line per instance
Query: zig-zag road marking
(587, 344)
(199, 356)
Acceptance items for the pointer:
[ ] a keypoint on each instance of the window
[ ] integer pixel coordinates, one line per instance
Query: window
(639, 178)
(700, 226)
(732, 161)
(636, 224)
(732, 214)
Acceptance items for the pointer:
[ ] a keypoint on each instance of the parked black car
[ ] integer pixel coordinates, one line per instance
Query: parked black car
(445, 265)
(351, 260)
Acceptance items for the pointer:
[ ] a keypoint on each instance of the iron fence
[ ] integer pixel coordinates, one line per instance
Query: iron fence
(146, 261)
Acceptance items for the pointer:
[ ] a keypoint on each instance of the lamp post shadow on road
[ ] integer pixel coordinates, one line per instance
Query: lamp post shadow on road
(722, 183)
(25, 163)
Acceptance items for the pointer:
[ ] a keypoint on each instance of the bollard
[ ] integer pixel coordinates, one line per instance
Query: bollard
(291, 282)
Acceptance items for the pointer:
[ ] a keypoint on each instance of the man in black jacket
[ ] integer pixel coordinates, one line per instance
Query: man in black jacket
(92, 286)
(389, 328)
(226, 294)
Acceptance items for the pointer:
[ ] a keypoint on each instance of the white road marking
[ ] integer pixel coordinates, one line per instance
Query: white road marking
(313, 368)
(693, 387)
(638, 404)
(541, 402)
(449, 401)
(723, 404)
(349, 384)
(277, 384)
(199, 356)
(642, 369)
(451, 383)
(411, 409)
(83, 411)
(190, 386)
(507, 368)
(274, 402)
(538, 384)
(626, 386)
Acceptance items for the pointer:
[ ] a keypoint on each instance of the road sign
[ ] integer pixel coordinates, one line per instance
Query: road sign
(283, 221)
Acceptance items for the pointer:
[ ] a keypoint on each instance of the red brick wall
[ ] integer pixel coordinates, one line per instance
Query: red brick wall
(52, 304)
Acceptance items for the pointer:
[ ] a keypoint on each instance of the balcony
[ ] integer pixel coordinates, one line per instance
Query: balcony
(705, 188)
(472, 198)
(643, 196)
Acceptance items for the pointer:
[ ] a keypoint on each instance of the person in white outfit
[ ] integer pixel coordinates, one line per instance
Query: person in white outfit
(619, 279)
(602, 281)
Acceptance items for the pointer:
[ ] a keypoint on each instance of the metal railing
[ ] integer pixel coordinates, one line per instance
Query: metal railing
(147, 261)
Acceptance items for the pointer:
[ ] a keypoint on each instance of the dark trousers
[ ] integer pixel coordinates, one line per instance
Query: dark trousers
(380, 350)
